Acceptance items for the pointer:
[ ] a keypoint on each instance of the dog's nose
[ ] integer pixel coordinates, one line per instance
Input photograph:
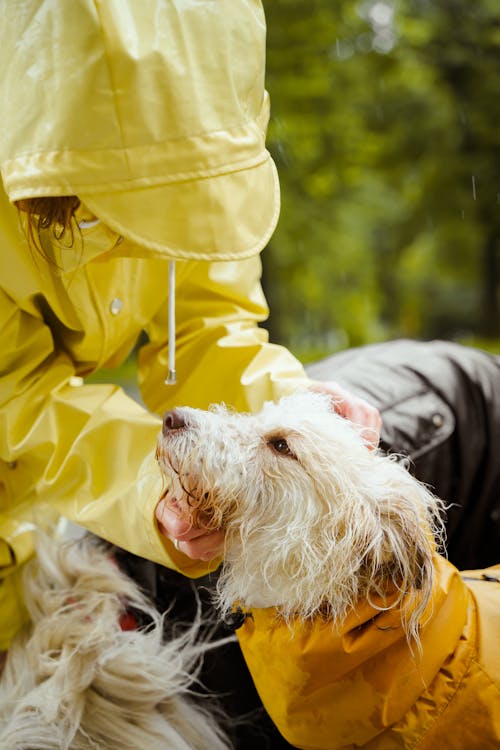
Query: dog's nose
(173, 420)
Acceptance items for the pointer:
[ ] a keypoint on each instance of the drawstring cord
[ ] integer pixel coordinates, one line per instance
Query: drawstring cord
(171, 375)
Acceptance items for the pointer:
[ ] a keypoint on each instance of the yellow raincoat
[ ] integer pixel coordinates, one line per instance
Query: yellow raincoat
(154, 114)
(362, 687)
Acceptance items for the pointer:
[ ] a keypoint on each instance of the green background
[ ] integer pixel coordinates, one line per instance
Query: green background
(384, 125)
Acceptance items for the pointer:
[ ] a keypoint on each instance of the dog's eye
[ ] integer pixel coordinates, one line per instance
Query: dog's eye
(281, 446)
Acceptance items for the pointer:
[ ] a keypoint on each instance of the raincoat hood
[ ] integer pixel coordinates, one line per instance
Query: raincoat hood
(153, 113)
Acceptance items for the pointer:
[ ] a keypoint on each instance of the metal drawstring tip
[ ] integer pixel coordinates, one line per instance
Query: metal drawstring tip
(171, 377)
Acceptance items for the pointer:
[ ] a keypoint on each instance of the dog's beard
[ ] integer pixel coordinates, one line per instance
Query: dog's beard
(193, 492)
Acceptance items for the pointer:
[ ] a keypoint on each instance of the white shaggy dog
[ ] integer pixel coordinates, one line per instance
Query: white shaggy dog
(340, 542)
(313, 520)
(75, 680)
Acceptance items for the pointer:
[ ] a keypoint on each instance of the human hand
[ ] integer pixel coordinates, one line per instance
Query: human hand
(196, 540)
(353, 408)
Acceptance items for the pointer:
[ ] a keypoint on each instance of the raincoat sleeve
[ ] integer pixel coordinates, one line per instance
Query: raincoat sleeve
(84, 449)
(221, 352)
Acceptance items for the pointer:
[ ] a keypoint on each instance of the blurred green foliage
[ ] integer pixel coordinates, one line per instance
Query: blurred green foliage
(385, 128)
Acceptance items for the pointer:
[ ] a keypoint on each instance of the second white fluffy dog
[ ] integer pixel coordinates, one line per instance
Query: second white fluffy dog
(75, 679)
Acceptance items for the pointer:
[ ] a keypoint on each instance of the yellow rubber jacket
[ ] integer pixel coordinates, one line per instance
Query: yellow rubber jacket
(362, 687)
(183, 193)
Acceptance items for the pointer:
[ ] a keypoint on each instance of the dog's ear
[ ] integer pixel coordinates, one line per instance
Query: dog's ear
(411, 574)
(403, 559)
(407, 545)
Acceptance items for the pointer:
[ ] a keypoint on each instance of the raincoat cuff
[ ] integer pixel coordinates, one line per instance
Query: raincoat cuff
(151, 487)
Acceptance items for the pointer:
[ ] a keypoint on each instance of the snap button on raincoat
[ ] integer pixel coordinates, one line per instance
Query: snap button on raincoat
(362, 687)
(154, 115)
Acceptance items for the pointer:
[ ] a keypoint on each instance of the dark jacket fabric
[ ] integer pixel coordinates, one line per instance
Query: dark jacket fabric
(440, 405)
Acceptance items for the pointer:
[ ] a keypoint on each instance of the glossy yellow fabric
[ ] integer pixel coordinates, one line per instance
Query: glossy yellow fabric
(81, 448)
(153, 112)
(360, 686)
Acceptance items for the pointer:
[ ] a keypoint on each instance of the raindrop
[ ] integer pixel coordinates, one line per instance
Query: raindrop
(344, 49)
